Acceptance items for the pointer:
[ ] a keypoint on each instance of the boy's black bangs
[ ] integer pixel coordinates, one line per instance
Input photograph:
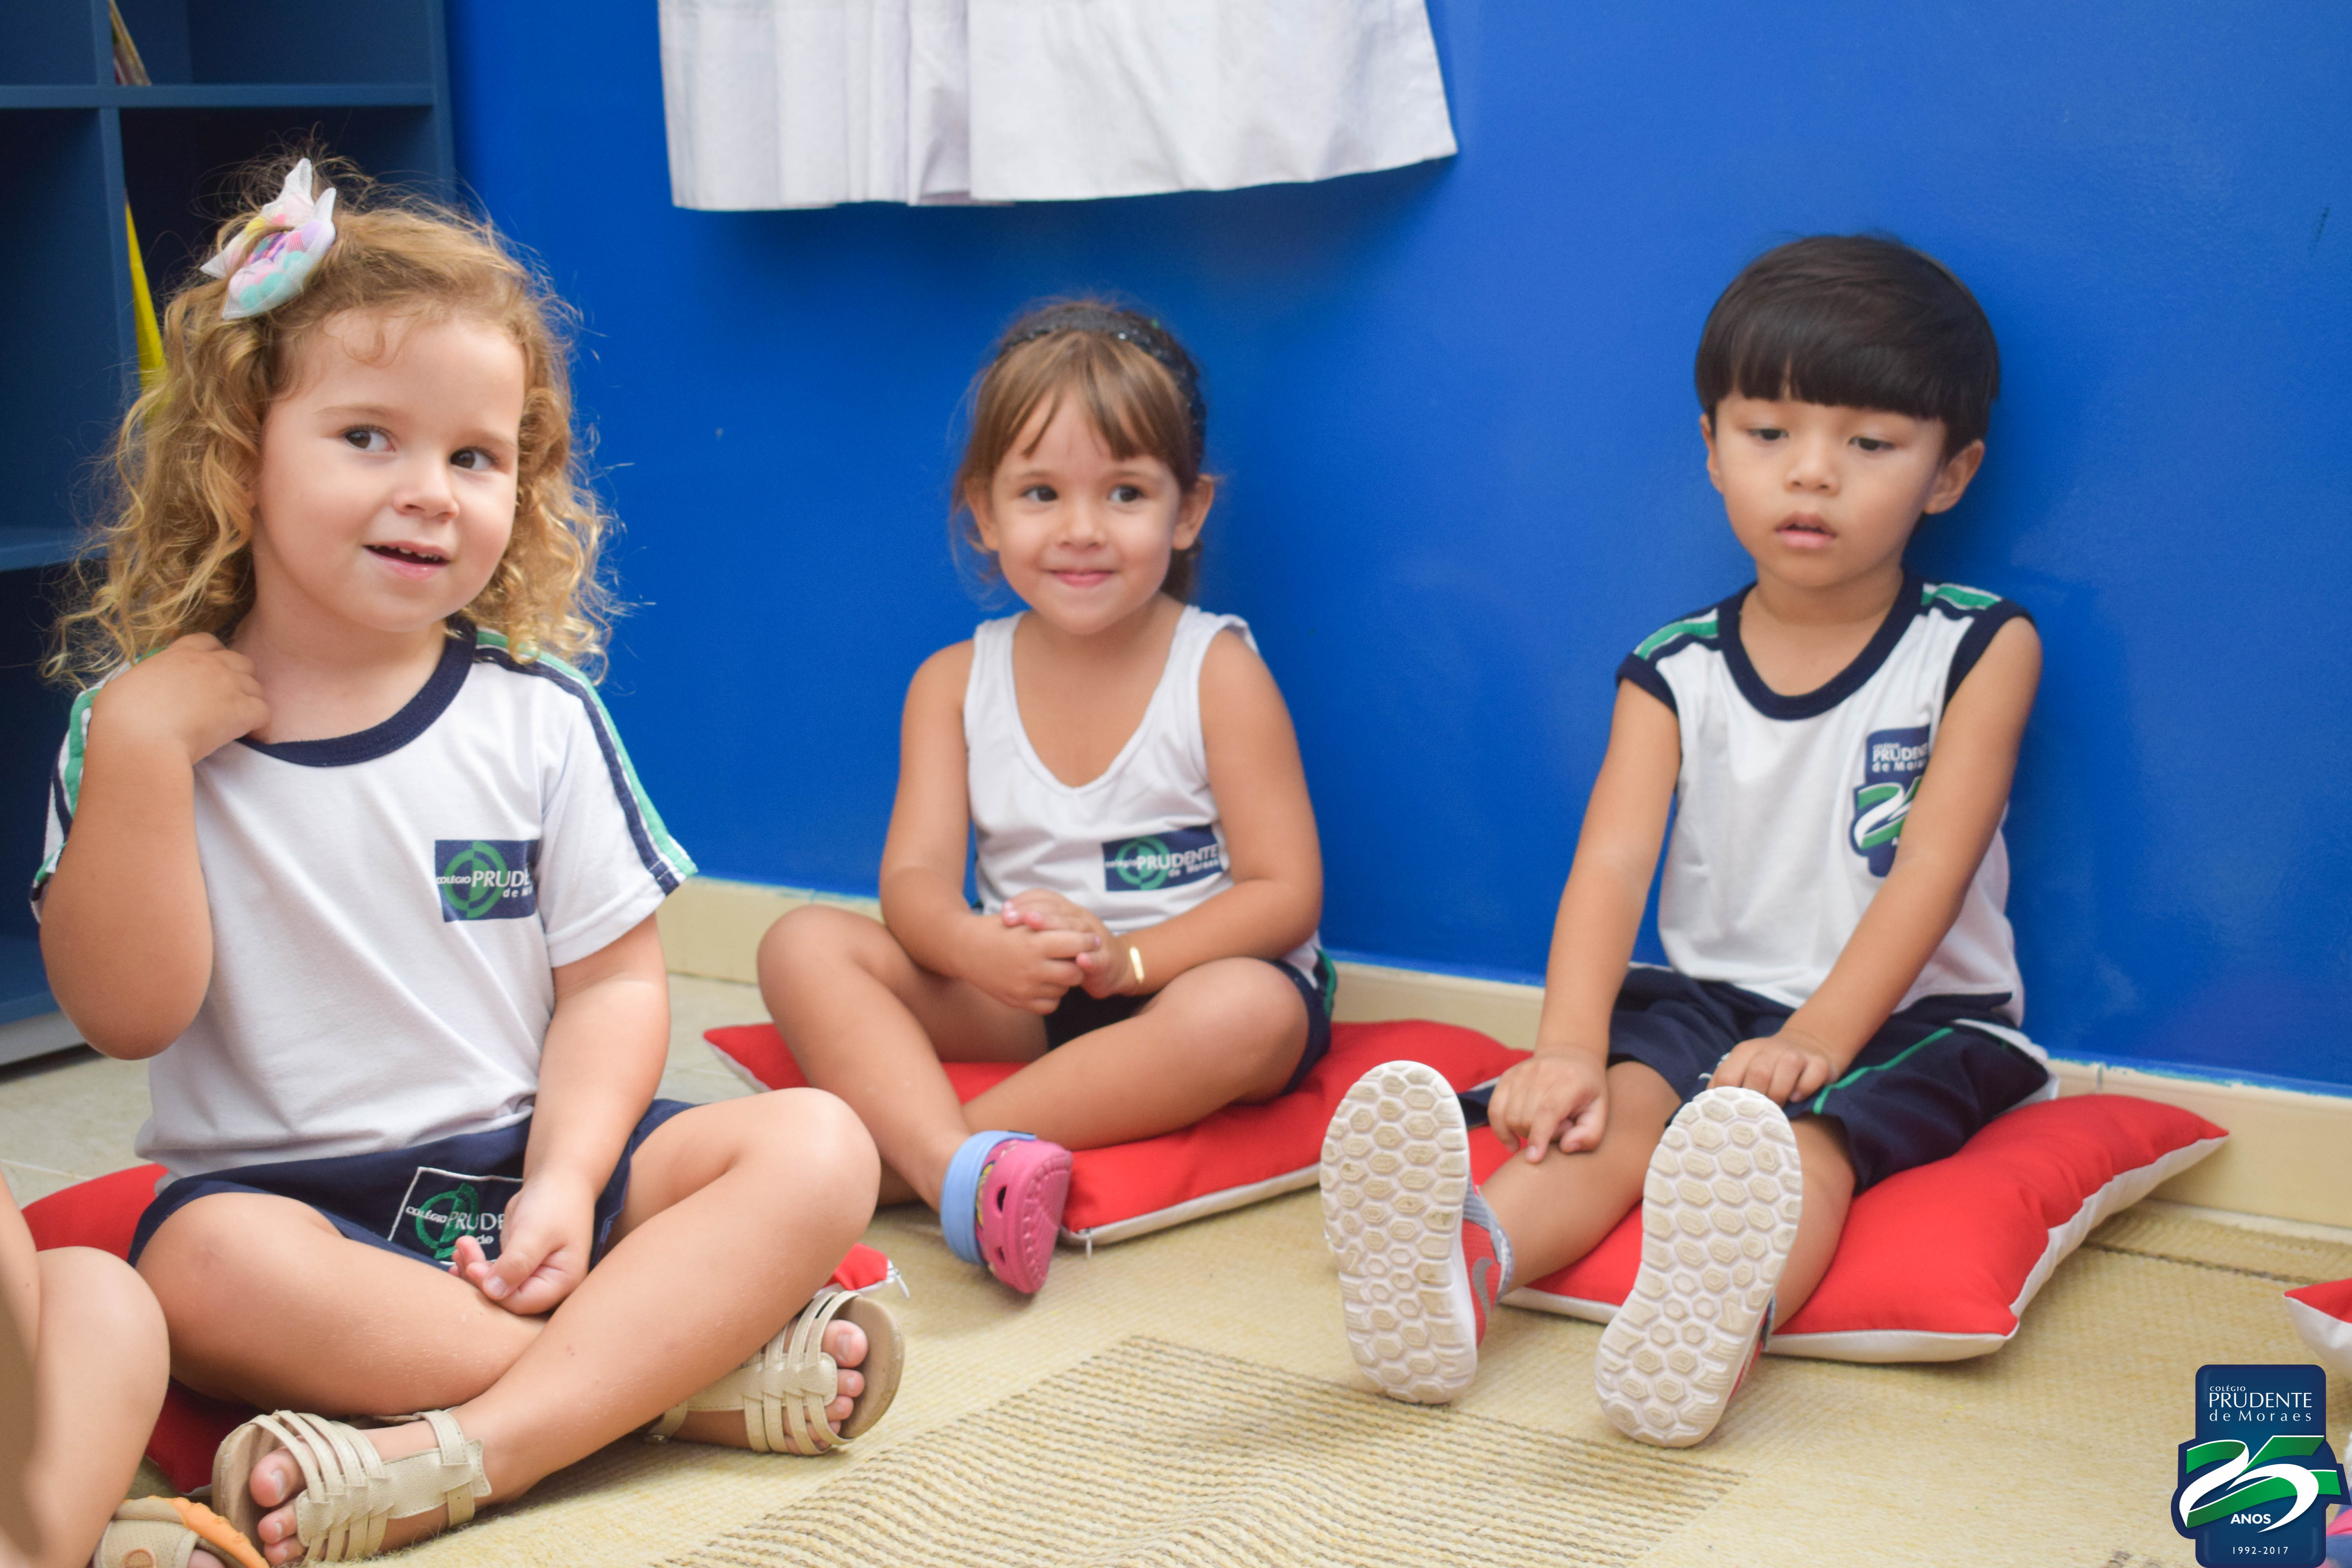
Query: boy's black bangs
(1854, 321)
(1827, 356)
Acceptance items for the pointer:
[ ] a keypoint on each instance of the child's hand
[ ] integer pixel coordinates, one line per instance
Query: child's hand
(544, 1243)
(1107, 969)
(1551, 1100)
(197, 696)
(1025, 959)
(1780, 1067)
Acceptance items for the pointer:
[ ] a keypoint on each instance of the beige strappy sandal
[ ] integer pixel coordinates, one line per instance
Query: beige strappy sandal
(163, 1532)
(783, 1389)
(348, 1491)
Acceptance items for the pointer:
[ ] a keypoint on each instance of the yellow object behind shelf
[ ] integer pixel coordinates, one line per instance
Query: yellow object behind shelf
(143, 309)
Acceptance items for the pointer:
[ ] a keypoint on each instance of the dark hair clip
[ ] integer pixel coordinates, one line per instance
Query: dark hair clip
(1152, 338)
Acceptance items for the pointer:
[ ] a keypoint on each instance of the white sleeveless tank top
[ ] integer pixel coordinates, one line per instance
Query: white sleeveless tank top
(1788, 809)
(1138, 845)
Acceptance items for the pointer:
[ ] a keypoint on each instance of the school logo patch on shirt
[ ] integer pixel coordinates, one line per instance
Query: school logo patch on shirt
(442, 1207)
(1161, 861)
(487, 878)
(1893, 761)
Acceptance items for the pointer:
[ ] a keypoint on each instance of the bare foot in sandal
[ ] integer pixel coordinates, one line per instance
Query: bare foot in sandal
(278, 1480)
(844, 1342)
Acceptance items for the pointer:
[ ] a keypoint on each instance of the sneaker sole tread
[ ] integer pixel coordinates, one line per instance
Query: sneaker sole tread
(1395, 1171)
(1719, 1212)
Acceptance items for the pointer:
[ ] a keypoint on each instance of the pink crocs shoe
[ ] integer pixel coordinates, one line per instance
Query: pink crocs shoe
(1002, 1205)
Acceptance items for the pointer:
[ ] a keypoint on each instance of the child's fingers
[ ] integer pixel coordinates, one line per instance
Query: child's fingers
(520, 1254)
(1542, 1128)
(1039, 901)
(1809, 1081)
(544, 1289)
(1503, 1121)
(471, 1264)
(1786, 1073)
(1736, 1071)
(1584, 1129)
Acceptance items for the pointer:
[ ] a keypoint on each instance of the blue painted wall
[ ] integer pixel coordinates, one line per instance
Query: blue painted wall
(1454, 407)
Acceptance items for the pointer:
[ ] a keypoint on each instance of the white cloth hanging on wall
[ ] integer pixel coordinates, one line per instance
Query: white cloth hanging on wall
(799, 103)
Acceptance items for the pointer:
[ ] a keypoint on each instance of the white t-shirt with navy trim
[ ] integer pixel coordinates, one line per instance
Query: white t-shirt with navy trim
(1137, 846)
(1788, 809)
(388, 909)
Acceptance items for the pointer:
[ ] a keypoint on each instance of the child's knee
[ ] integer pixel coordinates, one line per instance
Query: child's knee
(1250, 1003)
(833, 1161)
(106, 1302)
(212, 1244)
(815, 940)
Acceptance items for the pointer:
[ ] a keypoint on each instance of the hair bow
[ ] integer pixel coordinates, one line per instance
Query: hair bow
(273, 253)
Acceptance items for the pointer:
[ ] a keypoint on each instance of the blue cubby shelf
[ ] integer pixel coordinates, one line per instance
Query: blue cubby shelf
(226, 95)
(368, 79)
(24, 984)
(23, 547)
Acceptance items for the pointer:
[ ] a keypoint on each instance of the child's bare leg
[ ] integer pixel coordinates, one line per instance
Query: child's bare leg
(270, 1304)
(1228, 1030)
(870, 1025)
(1829, 1193)
(1557, 1209)
(99, 1370)
(737, 1211)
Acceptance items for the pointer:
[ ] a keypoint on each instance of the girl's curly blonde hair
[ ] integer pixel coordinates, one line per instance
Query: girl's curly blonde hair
(177, 519)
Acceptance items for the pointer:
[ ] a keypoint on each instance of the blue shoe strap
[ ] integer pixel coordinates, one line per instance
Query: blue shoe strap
(960, 1191)
(1475, 1212)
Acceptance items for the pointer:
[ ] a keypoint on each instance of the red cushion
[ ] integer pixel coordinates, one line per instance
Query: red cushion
(2322, 1314)
(100, 1213)
(1239, 1155)
(103, 1212)
(1937, 1262)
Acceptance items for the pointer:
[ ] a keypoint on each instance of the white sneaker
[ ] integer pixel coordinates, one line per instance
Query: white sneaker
(1719, 1212)
(1396, 1187)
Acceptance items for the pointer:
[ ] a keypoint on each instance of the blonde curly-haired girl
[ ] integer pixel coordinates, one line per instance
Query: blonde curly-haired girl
(343, 844)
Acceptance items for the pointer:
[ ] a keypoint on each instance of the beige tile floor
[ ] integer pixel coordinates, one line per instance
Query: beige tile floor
(75, 1114)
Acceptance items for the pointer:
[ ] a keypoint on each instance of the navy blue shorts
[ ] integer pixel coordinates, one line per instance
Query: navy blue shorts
(417, 1201)
(1080, 1013)
(1920, 1089)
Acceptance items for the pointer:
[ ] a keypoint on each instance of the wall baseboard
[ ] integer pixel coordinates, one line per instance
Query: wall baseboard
(2289, 1156)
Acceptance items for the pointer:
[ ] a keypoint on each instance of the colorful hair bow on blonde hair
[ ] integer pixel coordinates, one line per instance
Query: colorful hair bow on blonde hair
(273, 253)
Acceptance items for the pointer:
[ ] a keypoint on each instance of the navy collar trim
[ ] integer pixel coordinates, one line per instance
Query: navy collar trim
(1841, 685)
(415, 718)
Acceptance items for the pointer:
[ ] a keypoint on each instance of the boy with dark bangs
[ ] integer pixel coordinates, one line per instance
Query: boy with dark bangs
(1834, 743)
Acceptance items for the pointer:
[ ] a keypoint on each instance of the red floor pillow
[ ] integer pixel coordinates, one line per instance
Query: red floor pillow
(2322, 1314)
(1242, 1154)
(1938, 1262)
(103, 1212)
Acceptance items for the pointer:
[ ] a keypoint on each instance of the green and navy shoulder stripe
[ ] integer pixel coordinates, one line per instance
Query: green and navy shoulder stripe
(1715, 629)
(65, 786)
(1985, 613)
(1700, 628)
(663, 858)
